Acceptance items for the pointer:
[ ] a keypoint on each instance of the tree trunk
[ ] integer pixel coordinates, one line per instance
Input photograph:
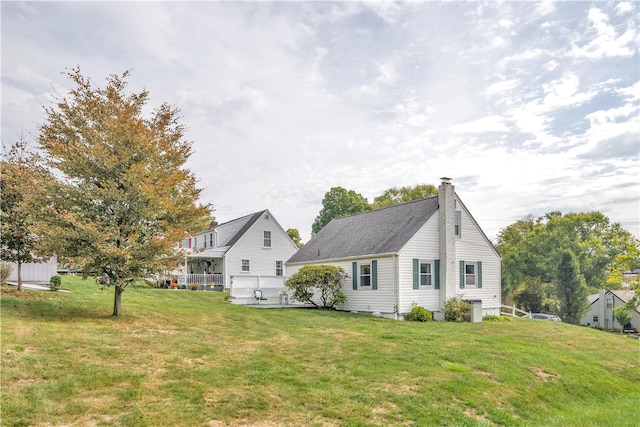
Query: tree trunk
(19, 275)
(117, 300)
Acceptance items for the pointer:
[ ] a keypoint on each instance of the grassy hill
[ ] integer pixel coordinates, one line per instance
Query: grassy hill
(190, 358)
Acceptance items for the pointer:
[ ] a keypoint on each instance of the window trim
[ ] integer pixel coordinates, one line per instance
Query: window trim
(281, 268)
(477, 274)
(428, 275)
(361, 275)
(457, 223)
(468, 275)
(266, 241)
(242, 265)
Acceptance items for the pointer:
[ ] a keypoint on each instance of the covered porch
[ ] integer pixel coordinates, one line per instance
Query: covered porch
(205, 268)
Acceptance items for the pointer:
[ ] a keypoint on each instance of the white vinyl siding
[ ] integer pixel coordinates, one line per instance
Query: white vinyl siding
(423, 246)
(250, 246)
(473, 249)
(365, 299)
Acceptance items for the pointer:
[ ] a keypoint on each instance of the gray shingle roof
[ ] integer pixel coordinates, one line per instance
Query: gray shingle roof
(374, 232)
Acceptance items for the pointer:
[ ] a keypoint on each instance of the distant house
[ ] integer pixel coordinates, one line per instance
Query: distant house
(241, 255)
(426, 251)
(35, 272)
(600, 314)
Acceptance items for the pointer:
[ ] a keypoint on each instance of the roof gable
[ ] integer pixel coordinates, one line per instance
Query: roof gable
(379, 231)
(230, 232)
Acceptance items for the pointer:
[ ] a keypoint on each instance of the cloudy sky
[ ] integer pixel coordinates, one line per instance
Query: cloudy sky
(530, 107)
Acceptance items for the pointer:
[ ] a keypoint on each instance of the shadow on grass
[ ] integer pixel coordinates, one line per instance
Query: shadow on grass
(52, 309)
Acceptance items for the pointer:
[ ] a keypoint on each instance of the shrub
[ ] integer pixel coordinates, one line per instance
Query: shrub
(5, 271)
(318, 285)
(457, 310)
(194, 286)
(418, 314)
(55, 282)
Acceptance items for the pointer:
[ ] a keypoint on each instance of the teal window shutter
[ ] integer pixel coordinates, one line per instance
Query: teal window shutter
(479, 274)
(436, 273)
(354, 270)
(374, 274)
(416, 273)
(461, 274)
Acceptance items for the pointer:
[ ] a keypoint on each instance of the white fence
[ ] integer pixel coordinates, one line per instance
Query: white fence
(513, 311)
(243, 286)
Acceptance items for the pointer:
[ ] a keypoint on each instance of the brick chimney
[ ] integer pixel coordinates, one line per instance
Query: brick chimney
(446, 209)
(213, 224)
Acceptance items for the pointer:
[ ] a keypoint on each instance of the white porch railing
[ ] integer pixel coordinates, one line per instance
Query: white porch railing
(203, 279)
(513, 311)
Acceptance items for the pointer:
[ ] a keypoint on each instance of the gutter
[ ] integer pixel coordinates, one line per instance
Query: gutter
(352, 258)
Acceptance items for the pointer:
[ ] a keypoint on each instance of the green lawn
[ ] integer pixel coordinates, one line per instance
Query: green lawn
(181, 358)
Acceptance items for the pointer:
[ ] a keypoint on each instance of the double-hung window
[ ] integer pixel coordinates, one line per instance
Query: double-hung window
(426, 277)
(470, 275)
(365, 274)
(245, 266)
(279, 268)
(267, 239)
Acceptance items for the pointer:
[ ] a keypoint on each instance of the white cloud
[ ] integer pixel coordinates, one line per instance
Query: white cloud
(501, 87)
(606, 43)
(485, 124)
(623, 7)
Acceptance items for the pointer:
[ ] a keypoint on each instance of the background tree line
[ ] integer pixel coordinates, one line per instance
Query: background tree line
(551, 263)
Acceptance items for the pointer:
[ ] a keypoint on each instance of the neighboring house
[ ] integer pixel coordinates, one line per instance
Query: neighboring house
(426, 251)
(241, 255)
(630, 277)
(600, 314)
(36, 271)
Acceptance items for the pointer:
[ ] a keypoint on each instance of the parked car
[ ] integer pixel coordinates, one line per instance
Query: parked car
(543, 316)
(629, 329)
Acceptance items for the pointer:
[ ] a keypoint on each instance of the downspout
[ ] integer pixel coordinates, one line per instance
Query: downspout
(396, 279)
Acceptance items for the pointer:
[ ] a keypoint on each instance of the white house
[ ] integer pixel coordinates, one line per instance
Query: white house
(600, 314)
(241, 255)
(425, 251)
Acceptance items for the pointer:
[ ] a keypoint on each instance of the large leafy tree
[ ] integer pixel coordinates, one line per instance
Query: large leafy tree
(123, 196)
(294, 234)
(395, 196)
(570, 288)
(339, 202)
(535, 296)
(21, 179)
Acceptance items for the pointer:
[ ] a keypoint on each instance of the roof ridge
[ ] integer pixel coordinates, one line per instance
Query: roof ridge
(387, 207)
